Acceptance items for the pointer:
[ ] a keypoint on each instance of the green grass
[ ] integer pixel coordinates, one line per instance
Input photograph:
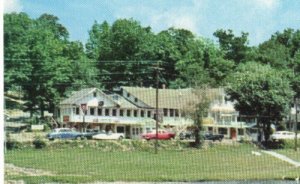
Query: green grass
(76, 165)
(291, 153)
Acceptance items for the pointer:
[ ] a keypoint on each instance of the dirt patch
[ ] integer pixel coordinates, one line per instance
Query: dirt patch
(11, 169)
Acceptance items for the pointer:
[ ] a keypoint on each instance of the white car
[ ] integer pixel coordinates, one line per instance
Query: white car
(109, 136)
(280, 135)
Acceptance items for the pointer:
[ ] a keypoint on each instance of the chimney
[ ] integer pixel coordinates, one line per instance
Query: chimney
(163, 86)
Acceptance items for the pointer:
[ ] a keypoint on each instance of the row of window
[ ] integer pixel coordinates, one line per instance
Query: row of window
(122, 112)
(128, 113)
(171, 112)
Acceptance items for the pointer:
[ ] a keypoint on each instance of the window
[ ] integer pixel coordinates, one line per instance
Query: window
(135, 113)
(77, 110)
(95, 94)
(223, 131)
(171, 112)
(99, 112)
(120, 129)
(149, 114)
(135, 100)
(115, 97)
(165, 112)
(128, 95)
(106, 112)
(128, 113)
(114, 112)
(176, 113)
(92, 111)
(121, 112)
(240, 131)
(142, 113)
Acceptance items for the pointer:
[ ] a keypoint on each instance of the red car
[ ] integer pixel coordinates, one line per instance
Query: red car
(162, 135)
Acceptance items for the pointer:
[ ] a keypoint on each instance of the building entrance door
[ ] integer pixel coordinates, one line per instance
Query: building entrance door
(127, 132)
(232, 133)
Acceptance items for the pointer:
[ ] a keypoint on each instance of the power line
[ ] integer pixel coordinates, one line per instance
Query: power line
(53, 73)
(88, 60)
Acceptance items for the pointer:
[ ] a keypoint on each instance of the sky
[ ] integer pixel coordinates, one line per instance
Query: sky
(260, 18)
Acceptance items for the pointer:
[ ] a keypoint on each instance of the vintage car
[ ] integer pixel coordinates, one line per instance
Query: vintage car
(162, 135)
(280, 135)
(206, 136)
(64, 133)
(109, 136)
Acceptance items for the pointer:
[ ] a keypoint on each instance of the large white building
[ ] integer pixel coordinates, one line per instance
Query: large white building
(132, 110)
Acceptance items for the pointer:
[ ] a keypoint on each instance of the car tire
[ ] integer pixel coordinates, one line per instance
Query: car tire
(220, 139)
(121, 138)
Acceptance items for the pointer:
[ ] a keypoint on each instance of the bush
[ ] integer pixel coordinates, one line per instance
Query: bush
(39, 143)
(281, 144)
(47, 127)
(12, 144)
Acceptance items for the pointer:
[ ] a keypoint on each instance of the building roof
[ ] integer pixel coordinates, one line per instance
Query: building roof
(117, 99)
(77, 95)
(122, 102)
(173, 98)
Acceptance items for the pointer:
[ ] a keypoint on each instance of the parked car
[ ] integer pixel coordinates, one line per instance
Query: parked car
(280, 135)
(64, 133)
(90, 133)
(162, 135)
(213, 137)
(109, 135)
(206, 136)
(186, 135)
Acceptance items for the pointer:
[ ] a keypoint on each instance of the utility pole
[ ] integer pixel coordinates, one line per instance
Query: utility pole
(156, 117)
(296, 122)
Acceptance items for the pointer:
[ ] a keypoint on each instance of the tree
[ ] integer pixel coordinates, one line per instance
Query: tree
(16, 65)
(98, 46)
(198, 109)
(261, 91)
(235, 47)
(41, 62)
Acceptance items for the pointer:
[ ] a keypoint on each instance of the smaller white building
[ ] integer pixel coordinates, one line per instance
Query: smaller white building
(92, 109)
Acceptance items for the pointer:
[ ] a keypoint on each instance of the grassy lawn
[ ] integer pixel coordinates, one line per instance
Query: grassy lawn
(295, 155)
(86, 165)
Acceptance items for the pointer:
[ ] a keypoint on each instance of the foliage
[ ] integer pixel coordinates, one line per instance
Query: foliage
(39, 59)
(198, 110)
(261, 91)
(235, 47)
(39, 143)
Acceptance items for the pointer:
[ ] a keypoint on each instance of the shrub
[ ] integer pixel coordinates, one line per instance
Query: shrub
(12, 144)
(39, 143)
(47, 127)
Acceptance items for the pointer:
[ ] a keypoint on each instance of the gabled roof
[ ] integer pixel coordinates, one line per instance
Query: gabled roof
(122, 102)
(77, 95)
(172, 98)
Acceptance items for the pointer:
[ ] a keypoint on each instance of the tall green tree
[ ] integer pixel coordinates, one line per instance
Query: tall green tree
(259, 90)
(41, 61)
(16, 64)
(235, 47)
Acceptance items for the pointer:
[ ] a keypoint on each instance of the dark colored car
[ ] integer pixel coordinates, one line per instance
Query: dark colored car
(207, 136)
(213, 137)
